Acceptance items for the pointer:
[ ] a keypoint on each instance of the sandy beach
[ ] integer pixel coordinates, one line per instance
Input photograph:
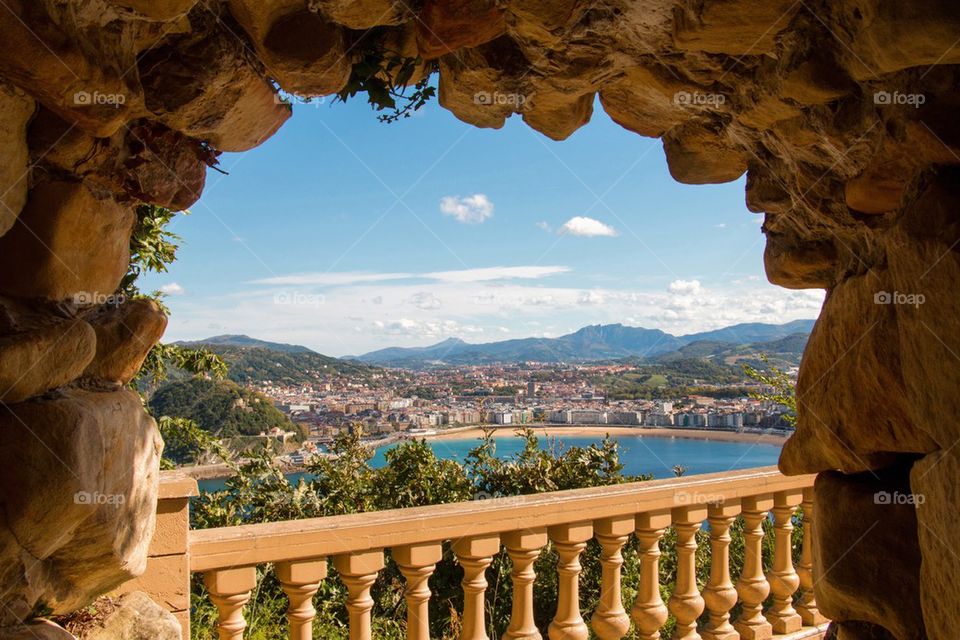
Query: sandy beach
(598, 431)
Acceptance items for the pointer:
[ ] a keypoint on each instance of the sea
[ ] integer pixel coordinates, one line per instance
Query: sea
(639, 454)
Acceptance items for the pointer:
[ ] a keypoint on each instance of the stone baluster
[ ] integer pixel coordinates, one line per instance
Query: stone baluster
(358, 572)
(569, 540)
(475, 555)
(752, 587)
(523, 547)
(300, 580)
(719, 595)
(648, 612)
(230, 590)
(686, 603)
(417, 563)
(609, 620)
(783, 579)
(807, 606)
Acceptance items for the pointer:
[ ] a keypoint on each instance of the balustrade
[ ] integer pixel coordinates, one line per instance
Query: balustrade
(524, 527)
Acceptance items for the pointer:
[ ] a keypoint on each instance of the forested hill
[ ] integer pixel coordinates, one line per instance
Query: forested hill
(254, 361)
(220, 407)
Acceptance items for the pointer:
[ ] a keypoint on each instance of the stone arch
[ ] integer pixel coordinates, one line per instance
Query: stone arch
(842, 114)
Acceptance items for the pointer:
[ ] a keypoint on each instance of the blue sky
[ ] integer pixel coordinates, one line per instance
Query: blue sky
(346, 235)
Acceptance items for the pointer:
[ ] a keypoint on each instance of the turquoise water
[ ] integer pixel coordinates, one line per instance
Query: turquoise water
(655, 455)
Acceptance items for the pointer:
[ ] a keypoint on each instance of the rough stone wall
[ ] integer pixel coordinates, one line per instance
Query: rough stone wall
(842, 114)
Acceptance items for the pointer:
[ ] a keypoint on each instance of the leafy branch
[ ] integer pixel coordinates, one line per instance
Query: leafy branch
(385, 77)
(783, 389)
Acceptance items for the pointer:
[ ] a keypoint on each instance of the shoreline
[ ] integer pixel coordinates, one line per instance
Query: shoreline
(473, 432)
(504, 431)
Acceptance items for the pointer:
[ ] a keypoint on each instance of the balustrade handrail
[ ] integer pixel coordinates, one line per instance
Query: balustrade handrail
(253, 544)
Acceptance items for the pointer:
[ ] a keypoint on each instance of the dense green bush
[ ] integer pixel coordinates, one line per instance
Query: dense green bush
(414, 476)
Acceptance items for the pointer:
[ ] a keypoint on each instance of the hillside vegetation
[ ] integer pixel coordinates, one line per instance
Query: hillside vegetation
(221, 407)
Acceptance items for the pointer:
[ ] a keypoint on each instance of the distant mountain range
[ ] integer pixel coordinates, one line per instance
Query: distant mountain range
(604, 342)
(228, 340)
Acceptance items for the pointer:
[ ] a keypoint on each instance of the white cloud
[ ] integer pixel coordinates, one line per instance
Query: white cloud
(684, 287)
(172, 289)
(324, 278)
(544, 226)
(722, 225)
(479, 274)
(487, 274)
(426, 301)
(586, 227)
(468, 210)
(590, 297)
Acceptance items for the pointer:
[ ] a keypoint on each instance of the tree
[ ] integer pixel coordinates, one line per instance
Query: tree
(783, 388)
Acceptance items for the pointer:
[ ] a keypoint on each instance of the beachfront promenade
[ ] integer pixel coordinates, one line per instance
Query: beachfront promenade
(520, 527)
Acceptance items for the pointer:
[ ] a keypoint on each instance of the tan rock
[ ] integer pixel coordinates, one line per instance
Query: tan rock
(48, 252)
(646, 100)
(473, 84)
(83, 500)
(889, 36)
(817, 80)
(16, 110)
(698, 156)
(158, 10)
(556, 115)
(36, 630)
(205, 88)
(853, 353)
(444, 26)
(863, 521)
(124, 336)
(934, 479)
(364, 14)
(303, 51)
(924, 268)
(137, 617)
(734, 27)
(798, 263)
(43, 358)
(144, 162)
(42, 59)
